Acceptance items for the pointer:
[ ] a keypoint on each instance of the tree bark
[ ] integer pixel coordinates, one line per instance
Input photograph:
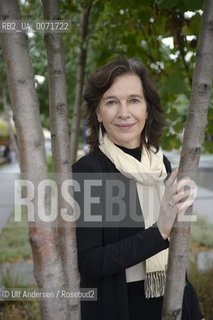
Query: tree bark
(47, 262)
(61, 150)
(191, 151)
(80, 81)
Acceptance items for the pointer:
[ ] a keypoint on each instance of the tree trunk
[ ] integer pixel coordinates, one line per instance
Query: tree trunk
(47, 262)
(61, 150)
(80, 81)
(193, 139)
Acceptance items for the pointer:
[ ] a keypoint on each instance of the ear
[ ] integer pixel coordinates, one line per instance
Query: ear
(98, 114)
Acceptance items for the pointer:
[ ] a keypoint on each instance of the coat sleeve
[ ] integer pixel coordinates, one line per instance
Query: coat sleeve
(96, 259)
(101, 260)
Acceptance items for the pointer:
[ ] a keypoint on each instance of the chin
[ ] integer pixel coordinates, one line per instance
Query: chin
(126, 141)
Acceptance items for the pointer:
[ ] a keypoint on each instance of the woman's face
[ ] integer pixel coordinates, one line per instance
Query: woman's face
(123, 111)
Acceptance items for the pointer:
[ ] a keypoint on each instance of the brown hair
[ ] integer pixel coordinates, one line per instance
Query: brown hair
(102, 80)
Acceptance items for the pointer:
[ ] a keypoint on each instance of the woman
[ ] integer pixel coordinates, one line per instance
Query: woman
(124, 255)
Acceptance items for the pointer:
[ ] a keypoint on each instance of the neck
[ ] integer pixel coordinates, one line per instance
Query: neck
(134, 152)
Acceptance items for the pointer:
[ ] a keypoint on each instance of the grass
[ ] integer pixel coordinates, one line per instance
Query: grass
(202, 233)
(15, 247)
(19, 310)
(203, 284)
(202, 240)
(14, 242)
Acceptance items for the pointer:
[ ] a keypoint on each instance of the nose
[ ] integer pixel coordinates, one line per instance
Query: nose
(123, 111)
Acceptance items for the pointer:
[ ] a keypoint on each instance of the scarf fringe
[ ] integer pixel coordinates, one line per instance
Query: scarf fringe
(154, 284)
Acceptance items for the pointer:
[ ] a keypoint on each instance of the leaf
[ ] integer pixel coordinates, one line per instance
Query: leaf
(170, 142)
(194, 24)
(174, 84)
(208, 146)
(178, 127)
(173, 114)
(193, 5)
(167, 4)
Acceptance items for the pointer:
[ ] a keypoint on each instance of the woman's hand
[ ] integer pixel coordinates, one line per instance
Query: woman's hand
(176, 199)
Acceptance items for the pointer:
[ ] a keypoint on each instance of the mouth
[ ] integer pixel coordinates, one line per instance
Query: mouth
(125, 126)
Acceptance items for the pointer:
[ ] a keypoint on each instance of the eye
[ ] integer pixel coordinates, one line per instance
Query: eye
(134, 100)
(111, 102)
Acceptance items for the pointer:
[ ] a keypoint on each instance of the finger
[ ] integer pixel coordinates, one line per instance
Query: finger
(171, 190)
(188, 198)
(183, 206)
(185, 183)
(180, 196)
(172, 177)
(179, 186)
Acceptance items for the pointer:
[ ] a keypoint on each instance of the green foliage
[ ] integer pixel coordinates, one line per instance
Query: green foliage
(202, 239)
(8, 280)
(20, 310)
(193, 5)
(14, 242)
(202, 282)
(167, 3)
(208, 143)
(186, 5)
(50, 164)
(202, 233)
(3, 128)
(15, 246)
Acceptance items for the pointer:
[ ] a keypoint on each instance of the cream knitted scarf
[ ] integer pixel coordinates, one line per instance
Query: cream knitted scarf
(149, 174)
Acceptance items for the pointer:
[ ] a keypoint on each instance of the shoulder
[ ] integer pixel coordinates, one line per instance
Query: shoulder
(92, 162)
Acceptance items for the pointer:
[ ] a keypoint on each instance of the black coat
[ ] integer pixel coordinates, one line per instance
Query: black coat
(105, 252)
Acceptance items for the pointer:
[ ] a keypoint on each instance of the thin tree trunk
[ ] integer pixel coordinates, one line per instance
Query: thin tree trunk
(8, 119)
(47, 263)
(80, 81)
(193, 139)
(61, 150)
